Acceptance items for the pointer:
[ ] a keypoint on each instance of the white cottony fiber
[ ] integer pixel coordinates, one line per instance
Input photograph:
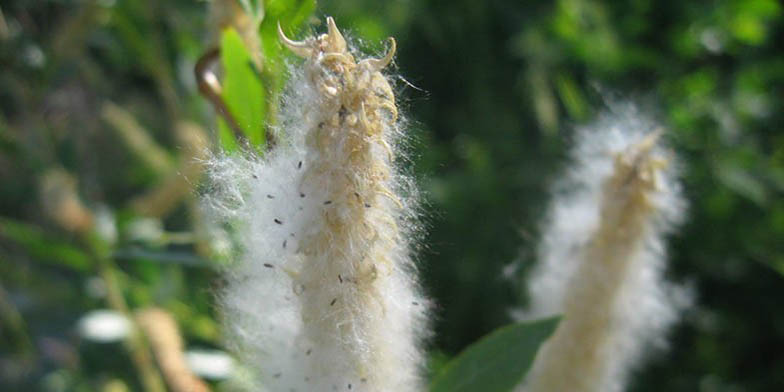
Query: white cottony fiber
(602, 256)
(324, 294)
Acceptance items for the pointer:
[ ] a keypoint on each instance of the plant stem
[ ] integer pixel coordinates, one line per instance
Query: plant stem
(136, 344)
(15, 323)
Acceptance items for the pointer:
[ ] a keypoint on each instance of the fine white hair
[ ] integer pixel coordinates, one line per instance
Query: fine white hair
(324, 294)
(602, 255)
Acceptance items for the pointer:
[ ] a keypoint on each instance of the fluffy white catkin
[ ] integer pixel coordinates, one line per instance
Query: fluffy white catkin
(601, 259)
(325, 296)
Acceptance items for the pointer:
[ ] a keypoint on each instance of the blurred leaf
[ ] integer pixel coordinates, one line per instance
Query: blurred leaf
(571, 96)
(743, 183)
(255, 8)
(290, 13)
(437, 361)
(163, 257)
(774, 262)
(43, 247)
(242, 90)
(497, 362)
(749, 19)
(586, 26)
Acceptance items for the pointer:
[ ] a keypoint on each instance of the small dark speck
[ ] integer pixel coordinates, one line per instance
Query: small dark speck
(367, 205)
(333, 301)
(299, 165)
(415, 303)
(270, 197)
(308, 352)
(307, 379)
(301, 194)
(363, 379)
(284, 243)
(340, 278)
(278, 221)
(349, 386)
(328, 202)
(276, 375)
(268, 265)
(291, 235)
(342, 112)
(255, 176)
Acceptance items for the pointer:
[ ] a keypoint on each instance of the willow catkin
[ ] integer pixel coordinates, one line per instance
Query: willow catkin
(325, 296)
(601, 260)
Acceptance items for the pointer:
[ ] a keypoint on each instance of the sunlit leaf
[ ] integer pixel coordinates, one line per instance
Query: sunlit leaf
(292, 15)
(242, 89)
(226, 136)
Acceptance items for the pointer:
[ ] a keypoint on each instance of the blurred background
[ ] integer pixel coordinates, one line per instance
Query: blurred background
(102, 124)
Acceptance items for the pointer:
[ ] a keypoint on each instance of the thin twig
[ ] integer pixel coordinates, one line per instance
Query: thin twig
(167, 345)
(210, 88)
(136, 343)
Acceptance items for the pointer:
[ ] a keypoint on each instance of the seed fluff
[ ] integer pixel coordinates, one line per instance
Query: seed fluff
(602, 257)
(337, 308)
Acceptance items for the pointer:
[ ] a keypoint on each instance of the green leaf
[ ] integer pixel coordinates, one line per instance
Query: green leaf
(290, 13)
(292, 16)
(41, 246)
(743, 182)
(571, 96)
(226, 136)
(243, 91)
(497, 362)
(254, 8)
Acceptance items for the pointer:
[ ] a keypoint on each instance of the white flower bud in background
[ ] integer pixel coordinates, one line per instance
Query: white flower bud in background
(105, 224)
(143, 229)
(602, 257)
(104, 326)
(325, 295)
(210, 364)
